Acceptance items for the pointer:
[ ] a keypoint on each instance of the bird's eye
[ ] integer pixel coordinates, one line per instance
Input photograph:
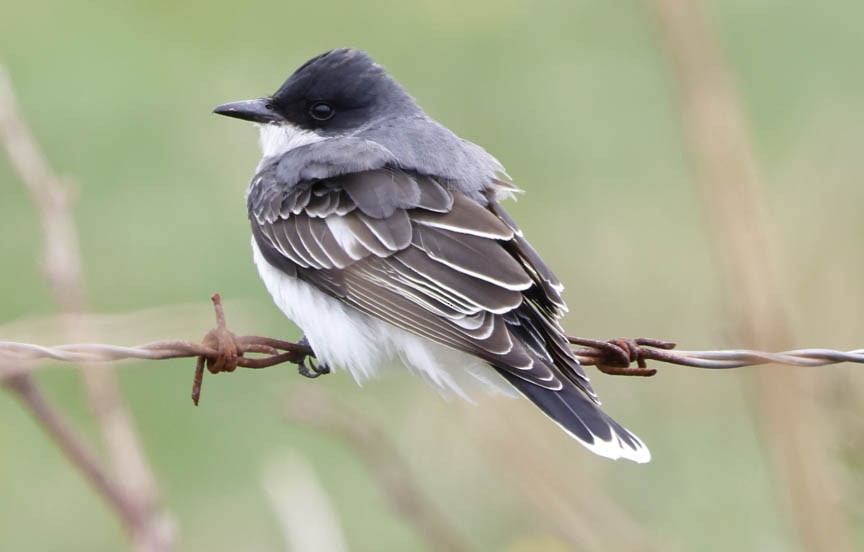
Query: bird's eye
(321, 111)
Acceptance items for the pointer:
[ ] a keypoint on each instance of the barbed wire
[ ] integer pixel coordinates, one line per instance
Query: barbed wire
(276, 351)
(620, 353)
(222, 351)
(163, 350)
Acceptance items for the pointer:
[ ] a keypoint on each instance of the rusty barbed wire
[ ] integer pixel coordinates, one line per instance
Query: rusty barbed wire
(223, 351)
(620, 353)
(220, 351)
(163, 350)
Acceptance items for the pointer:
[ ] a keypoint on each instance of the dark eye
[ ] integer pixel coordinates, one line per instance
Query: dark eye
(321, 111)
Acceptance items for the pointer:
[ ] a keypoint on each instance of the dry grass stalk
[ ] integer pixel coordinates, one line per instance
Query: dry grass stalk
(721, 153)
(316, 409)
(62, 266)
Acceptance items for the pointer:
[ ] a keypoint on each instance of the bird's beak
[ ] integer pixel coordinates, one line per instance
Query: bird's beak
(259, 111)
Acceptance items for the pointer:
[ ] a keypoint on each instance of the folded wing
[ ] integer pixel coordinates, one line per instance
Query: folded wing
(407, 249)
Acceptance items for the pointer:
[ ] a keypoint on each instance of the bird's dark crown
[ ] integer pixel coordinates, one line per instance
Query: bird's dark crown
(338, 91)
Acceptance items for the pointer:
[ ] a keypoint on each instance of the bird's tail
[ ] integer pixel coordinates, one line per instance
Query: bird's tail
(579, 416)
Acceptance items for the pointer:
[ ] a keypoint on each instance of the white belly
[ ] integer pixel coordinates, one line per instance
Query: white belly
(343, 337)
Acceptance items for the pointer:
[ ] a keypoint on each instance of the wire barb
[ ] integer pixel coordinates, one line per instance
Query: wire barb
(228, 351)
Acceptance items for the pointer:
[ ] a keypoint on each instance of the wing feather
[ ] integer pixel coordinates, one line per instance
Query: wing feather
(466, 217)
(303, 227)
(394, 232)
(473, 255)
(478, 293)
(433, 196)
(284, 236)
(358, 228)
(381, 192)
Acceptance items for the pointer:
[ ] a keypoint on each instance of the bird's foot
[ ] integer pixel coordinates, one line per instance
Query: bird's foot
(313, 369)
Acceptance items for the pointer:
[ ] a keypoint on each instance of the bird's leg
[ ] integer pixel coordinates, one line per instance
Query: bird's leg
(313, 369)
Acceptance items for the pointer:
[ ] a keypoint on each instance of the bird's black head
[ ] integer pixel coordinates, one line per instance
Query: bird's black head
(333, 93)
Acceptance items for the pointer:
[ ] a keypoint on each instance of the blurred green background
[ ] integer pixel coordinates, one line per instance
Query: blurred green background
(576, 99)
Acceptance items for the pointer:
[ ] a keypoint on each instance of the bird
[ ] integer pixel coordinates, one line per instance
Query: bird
(380, 233)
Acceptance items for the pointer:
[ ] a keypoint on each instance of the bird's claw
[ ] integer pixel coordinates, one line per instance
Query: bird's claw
(312, 370)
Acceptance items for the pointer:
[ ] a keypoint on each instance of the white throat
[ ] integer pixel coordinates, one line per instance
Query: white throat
(278, 139)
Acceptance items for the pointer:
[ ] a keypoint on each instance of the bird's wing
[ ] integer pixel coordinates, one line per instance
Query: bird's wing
(403, 248)
(406, 249)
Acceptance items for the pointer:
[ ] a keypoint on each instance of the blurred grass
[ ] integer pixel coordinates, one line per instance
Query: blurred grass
(574, 98)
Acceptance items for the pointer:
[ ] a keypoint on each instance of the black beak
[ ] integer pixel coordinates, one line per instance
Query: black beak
(258, 111)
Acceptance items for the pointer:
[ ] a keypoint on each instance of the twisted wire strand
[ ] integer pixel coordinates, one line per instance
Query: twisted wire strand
(737, 358)
(99, 352)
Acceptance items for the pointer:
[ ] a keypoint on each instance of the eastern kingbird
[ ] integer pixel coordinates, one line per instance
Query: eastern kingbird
(379, 232)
